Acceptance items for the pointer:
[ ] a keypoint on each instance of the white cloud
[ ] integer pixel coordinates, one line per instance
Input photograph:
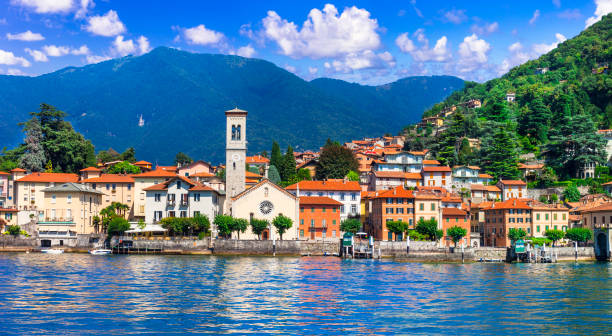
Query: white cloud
(92, 59)
(45, 6)
(472, 53)
(518, 55)
(83, 50)
(16, 72)
(557, 3)
(201, 35)
(25, 36)
(37, 55)
(455, 16)
(246, 51)
(363, 60)
(313, 71)
(535, 16)
(290, 68)
(83, 8)
(603, 7)
(543, 48)
(8, 58)
(56, 51)
(439, 53)
(105, 25)
(325, 33)
(416, 10)
(124, 47)
(485, 29)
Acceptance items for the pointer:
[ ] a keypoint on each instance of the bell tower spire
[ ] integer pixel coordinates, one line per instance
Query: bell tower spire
(235, 152)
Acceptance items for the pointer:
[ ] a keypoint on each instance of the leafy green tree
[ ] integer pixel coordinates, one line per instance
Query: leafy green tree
(288, 170)
(239, 225)
(182, 159)
(352, 176)
(128, 155)
(554, 235)
(282, 224)
(258, 226)
(536, 121)
(429, 228)
(498, 111)
(447, 152)
(123, 167)
(303, 174)
(273, 175)
(200, 223)
(456, 233)
(498, 153)
(581, 235)
(34, 157)
(117, 226)
(13, 230)
(109, 155)
(571, 193)
(554, 198)
(221, 174)
(397, 227)
(415, 235)
(465, 156)
(351, 225)
(276, 158)
(335, 161)
(141, 224)
(516, 234)
(224, 225)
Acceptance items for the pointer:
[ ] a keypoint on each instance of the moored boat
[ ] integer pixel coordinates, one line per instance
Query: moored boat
(52, 251)
(100, 252)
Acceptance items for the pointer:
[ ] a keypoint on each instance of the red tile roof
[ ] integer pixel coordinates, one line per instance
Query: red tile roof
(195, 186)
(485, 176)
(601, 208)
(257, 159)
(3, 173)
(451, 199)
(313, 200)
(8, 210)
(491, 188)
(397, 174)
(156, 173)
(396, 192)
(142, 162)
(512, 182)
(92, 169)
(50, 177)
(431, 162)
(110, 178)
(17, 170)
(251, 174)
(437, 169)
(453, 212)
(512, 203)
(334, 185)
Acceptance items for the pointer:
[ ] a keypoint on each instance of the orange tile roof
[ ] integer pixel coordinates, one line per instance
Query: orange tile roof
(17, 170)
(451, 199)
(436, 162)
(396, 192)
(437, 169)
(252, 181)
(92, 169)
(50, 177)
(251, 174)
(313, 200)
(368, 194)
(533, 166)
(600, 208)
(195, 186)
(490, 188)
(142, 162)
(156, 173)
(167, 168)
(3, 173)
(8, 210)
(512, 182)
(485, 176)
(512, 203)
(482, 205)
(453, 212)
(334, 185)
(397, 174)
(110, 178)
(257, 159)
(427, 195)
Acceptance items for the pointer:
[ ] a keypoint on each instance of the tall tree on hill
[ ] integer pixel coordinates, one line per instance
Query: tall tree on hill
(498, 111)
(536, 120)
(465, 155)
(335, 161)
(575, 144)
(447, 148)
(288, 168)
(182, 159)
(276, 157)
(273, 175)
(498, 153)
(34, 157)
(128, 155)
(109, 155)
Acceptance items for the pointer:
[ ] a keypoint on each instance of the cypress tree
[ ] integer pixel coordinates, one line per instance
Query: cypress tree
(499, 155)
(276, 157)
(34, 157)
(288, 168)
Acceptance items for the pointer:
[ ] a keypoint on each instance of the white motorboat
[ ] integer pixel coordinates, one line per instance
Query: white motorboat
(100, 252)
(52, 251)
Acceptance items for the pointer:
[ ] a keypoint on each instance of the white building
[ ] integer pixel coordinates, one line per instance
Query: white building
(464, 176)
(181, 197)
(385, 180)
(512, 189)
(408, 162)
(439, 176)
(346, 192)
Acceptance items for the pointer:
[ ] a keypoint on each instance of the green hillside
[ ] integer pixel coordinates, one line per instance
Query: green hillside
(182, 97)
(561, 99)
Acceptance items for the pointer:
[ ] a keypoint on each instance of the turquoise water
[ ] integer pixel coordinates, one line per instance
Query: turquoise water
(74, 294)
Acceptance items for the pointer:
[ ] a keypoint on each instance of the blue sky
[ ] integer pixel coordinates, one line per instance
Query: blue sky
(370, 42)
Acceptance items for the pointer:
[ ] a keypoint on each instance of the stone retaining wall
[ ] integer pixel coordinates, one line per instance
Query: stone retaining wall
(283, 247)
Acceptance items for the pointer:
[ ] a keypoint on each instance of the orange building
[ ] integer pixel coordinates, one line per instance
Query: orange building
(455, 217)
(319, 218)
(501, 217)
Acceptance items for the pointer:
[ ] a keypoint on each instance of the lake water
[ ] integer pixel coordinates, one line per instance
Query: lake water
(76, 294)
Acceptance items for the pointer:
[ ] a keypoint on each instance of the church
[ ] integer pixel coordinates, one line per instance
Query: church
(264, 200)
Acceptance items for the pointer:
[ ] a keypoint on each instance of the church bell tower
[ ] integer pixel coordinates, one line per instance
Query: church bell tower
(235, 152)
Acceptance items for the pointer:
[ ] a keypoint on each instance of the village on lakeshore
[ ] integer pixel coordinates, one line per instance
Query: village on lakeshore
(390, 194)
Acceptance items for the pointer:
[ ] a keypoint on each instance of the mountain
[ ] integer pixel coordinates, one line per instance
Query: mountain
(563, 96)
(182, 96)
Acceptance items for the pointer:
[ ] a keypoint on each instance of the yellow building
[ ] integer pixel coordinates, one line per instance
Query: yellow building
(116, 188)
(7, 217)
(68, 210)
(548, 217)
(29, 195)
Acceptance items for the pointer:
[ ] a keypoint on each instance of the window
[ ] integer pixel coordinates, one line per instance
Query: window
(8, 216)
(157, 197)
(129, 186)
(546, 228)
(342, 196)
(323, 234)
(301, 222)
(69, 199)
(389, 200)
(311, 209)
(52, 199)
(323, 209)
(353, 197)
(334, 222)
(433, 207)
(342, 209)
(301, 233)
(107, 186)
(301, 209)
(312, 223)
(554, 216)
(320, 194)
(333, 233)
(353, 209)
(400, 201)
(196, 197)
(400, 210)
(93, 186)
(142, 196)
(410, 221)
(537, 216)
(447, 219)
(171, 214)
(183, 214)
(178, 184)
(390, 235)
(324, 223)
(555, 227)
(421, 206)
(157, 215)
(389, 210)
(334, 210)
(546, 216)
(68, 214)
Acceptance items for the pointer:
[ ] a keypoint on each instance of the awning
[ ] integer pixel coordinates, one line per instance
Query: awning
(148, 228)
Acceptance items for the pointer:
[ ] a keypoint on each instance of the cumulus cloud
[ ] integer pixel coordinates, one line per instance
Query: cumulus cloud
(37, 55)
(535, 17)
(8, 58)
(313, 70)
(15, 72)
(570, 14)
(83, 50)
(45, 6)
(290, 68)
(105, 25)
(83, 8)
(455, 16)
(201, 35)
(245, 51)
(363, 60)
(543, 48)
(602, 8)
(518, 54)
(485, 29)
(56, 51)
(325, 33)
(473, 53)
(439, 53)
(123, 47)
(92, 59)
(25, 36)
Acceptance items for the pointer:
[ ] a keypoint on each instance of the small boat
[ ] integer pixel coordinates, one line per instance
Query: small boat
(52, 251)
(100, 252)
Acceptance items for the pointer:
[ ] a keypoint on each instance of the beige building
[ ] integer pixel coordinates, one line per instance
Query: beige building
(68, 210)
(547, 217)
(116, 188)
(7, 217)
(29, 195)
(266, 200)
(512, 189)
(597, 215)
(142, 181)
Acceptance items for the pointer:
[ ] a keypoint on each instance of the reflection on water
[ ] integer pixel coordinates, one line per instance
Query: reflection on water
(72, 294)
